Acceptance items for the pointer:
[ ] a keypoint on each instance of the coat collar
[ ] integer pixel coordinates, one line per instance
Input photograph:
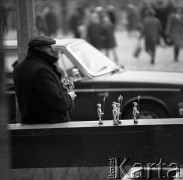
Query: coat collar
(42, 55)
(45, 58)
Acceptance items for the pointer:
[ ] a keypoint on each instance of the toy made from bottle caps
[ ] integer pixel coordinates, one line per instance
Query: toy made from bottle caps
(99, 113)
(135, 112)
(114, 113)
(68, 83)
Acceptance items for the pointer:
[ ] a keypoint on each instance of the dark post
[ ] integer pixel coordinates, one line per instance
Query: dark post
(4, 139)
(26, 27)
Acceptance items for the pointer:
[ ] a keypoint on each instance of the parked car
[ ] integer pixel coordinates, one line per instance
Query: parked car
(96, 76)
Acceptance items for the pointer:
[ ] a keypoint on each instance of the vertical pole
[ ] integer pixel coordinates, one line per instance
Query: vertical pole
(26, 27)
(4, 139)
(64, 16)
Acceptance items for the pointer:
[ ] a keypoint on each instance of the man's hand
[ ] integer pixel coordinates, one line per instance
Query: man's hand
(72, 94)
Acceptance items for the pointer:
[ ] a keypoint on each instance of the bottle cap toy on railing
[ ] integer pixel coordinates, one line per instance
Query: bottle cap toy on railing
(68, 83)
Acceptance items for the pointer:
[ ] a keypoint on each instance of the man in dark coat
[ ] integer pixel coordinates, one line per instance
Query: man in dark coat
(40, 93)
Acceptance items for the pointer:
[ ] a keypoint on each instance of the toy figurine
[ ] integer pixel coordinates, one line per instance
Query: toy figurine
(100, 113)
(119, 113)
(120, 101)
(68, 83)
(114, 113)
(135, 112)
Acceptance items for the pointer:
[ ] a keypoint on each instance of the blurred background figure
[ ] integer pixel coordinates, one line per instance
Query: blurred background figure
(174, 30)
(170, 8)
(162, 12)
(132, 19)
(100, 10)
(108, 37)
(117, 12)
(77, 21)
(143, 8)
(51, 21)
(151, 32)
(41, 25)
(4, 15)
(94, 30)
(112, 14)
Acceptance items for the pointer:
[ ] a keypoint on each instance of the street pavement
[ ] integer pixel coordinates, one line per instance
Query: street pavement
(164, 60)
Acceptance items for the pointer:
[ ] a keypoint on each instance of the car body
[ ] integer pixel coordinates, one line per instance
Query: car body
(97, 79)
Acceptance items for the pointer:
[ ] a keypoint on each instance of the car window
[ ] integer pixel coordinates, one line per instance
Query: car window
(65, 64)
(94, 61)
(10, 57)
(64, 61)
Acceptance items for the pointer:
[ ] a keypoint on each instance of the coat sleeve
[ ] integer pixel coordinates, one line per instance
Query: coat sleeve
(50, 92)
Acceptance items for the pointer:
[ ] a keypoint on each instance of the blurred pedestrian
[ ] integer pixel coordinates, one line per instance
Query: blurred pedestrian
(77, 20)
(151, 32)
(162, 12)
(174, 30)
(40, 94)
(112, 14)
(101, 11)
(51, 21)
(108, 37)
(4, 14)
(143, 8)
(170, 8)
(41, 25)
(132, 19)
(94, 30)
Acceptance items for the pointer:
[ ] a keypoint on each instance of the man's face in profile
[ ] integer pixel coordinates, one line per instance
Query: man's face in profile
(48, 49)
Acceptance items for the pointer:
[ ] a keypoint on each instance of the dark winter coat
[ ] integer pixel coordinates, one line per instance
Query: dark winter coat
(174, 29)
(152, 30)
(52, 24)
(75, 22)
(94, 34)
(108, 38)
(40, 93)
